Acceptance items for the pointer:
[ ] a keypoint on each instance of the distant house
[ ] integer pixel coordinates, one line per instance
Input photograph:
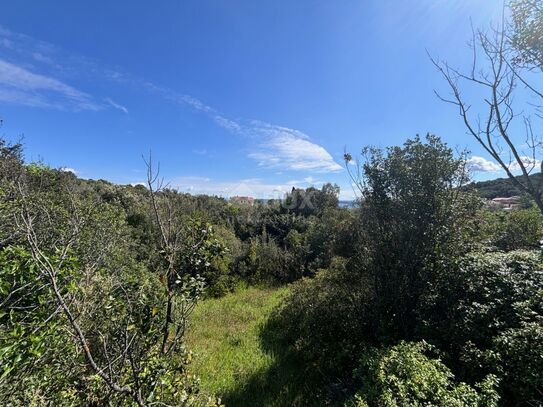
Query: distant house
(507, 203)
(243, 200)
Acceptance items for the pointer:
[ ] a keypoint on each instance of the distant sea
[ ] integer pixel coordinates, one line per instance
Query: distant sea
(347, 204)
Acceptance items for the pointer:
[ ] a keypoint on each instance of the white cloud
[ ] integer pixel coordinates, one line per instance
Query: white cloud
(277, 146)
(529, 163)
(290, 149)
(116, 105)
(481, 164)
(68, 169)
(20, 86)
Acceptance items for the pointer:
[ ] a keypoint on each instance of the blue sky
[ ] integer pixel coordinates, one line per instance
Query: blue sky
(233, 97)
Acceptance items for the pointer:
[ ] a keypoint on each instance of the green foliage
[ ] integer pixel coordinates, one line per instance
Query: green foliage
(493, 307)
(371, 287)
(28, 330)
(11, 160)
(501, 187)
(271, 263)
(80, 316)
(520, 351)
(403, 237)
(527, 31)
(404, 375)
(513, 230)
(42, 364)
(411, 277)
(412, 221)
(311, 201)
(321, 318)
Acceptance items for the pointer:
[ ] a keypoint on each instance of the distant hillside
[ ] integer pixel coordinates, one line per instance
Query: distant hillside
(501, 187)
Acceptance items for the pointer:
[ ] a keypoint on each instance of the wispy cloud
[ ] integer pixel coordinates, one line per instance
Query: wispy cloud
(276, 147)
(36, 73)
(271, 146)
(21, 86)
(117, 105)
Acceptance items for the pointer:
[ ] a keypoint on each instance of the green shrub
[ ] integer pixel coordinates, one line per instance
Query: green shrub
(520, 353)
(514, 230)
(404, 375)
(413, 221)
(323, 320)
(487, 316)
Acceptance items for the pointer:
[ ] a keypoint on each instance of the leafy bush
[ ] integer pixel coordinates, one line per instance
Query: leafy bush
(27, 331)
(487, 316)
(81, 321)
(404, 375)
(411, 277)
(519, 229)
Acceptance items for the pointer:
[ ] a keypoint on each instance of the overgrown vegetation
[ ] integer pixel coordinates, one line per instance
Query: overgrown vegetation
(420, 295)
(423, 269)
(98, 281)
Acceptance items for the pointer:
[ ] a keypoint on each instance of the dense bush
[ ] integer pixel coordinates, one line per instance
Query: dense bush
(413, 275)
(324, 320)
(413, 220)
(404, 375)
(512, 230)
(82, 321)
(403, 240)
(486, 315)
(419, 261)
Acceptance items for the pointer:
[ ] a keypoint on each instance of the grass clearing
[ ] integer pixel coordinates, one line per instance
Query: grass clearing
(225, 335)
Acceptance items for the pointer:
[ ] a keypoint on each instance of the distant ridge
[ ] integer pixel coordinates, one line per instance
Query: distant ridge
(501, 187)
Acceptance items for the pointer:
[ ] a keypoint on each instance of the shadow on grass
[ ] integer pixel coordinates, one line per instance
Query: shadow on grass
(285, 383)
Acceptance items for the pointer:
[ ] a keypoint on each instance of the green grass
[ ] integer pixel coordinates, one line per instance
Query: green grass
(225, 335)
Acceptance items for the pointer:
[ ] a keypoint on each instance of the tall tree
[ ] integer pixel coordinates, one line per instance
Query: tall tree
(410, 204)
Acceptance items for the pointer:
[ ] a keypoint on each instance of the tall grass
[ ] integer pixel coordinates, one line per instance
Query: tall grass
(225, 335)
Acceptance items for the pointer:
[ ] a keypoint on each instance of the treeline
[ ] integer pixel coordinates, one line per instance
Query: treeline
(417, 296)
(273, 241)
